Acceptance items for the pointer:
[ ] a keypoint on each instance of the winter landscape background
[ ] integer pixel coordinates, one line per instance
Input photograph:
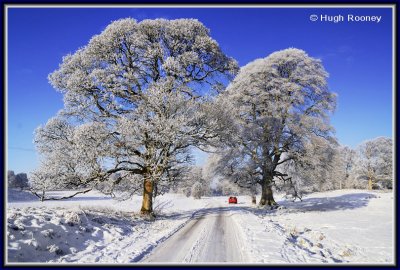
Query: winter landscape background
(127, 138)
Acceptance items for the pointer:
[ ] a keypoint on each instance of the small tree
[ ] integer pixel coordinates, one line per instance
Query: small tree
(374, 161)
(197, 190)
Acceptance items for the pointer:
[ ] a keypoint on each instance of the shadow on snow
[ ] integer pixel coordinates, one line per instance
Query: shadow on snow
(343, 202)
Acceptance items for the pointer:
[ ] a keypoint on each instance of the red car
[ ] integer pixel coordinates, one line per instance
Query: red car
(232, 200)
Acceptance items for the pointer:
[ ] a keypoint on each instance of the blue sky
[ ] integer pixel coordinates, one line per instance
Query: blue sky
(357, 55)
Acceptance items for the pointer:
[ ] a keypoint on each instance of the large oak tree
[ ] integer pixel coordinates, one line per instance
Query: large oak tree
(133, 104)
(280, 107)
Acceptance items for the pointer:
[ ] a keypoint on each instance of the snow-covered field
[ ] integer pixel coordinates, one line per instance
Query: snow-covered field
(90, 228)
(344, 226)
(347, 226)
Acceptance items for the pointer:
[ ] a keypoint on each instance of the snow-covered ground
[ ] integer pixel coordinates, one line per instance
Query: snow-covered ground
(91, 228)
(347, 226)
(344, 226)
(212, 236)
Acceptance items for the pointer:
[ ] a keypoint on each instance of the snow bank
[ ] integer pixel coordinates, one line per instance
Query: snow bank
(91, 227)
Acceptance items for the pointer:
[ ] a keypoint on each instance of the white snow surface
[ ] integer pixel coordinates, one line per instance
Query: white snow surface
(346, 226)
(90, 228)
(343, 226)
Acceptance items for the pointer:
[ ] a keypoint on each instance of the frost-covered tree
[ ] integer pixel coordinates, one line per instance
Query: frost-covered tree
(228, 188)
(73, 157)
(320, 168)
(188, 178)
(339, 168)
(211, 176)
(219, 167)
(191, 176)
(374, 163)
(281, 106)
(345, 166)
(197, 190)
(134, 96)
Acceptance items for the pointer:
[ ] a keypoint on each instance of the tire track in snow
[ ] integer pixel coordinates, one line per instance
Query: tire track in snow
(145, 253)
(213, 237)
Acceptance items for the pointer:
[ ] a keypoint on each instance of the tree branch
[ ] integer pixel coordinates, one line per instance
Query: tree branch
(43, 198)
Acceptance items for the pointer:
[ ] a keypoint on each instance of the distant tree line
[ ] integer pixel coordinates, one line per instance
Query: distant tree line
(17, 180)
(367, 166)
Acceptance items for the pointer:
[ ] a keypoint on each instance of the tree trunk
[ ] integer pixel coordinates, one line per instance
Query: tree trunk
(267, 196)
(369, 184)
(369, 180)
(155, 190)
(253, 199)
(147, 203)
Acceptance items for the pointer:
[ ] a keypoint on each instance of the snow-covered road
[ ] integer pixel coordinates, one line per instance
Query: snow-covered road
(212, 236)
